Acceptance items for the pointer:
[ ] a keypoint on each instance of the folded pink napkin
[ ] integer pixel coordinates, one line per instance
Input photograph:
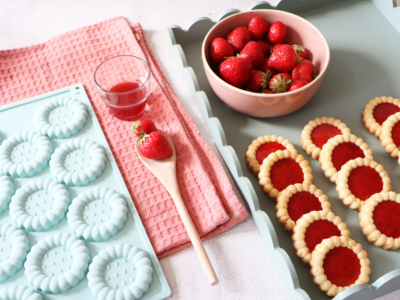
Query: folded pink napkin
(72, 58)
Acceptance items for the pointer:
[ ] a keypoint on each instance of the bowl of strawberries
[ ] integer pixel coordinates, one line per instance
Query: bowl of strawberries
(265, 63)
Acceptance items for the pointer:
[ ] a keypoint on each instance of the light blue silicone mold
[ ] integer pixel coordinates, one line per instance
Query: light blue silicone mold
(61, 117)
(14, 246)
(78, 162)
(97, 214)
(120, 272)
(57, 263)
(19, 292)
(6, 191)
(39, 204)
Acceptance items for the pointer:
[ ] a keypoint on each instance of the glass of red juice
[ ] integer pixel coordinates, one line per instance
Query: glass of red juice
(124, 84)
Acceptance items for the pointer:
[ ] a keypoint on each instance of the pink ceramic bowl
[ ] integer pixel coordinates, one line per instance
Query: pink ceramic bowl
(299, 32)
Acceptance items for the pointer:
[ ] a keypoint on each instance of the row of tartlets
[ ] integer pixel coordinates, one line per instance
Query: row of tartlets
(321, 238)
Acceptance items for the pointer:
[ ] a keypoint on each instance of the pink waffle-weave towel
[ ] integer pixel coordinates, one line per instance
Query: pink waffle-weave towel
(72, 58)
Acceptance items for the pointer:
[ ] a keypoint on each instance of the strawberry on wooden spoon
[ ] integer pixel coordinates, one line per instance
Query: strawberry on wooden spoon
(143, 126)
(155, 146)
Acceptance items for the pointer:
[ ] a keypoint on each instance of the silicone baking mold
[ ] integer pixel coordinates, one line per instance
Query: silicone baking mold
(78, 162)
(97, 214)
(61, 117)
(120, 272)
(6, 191)
(39, 204)
(13, 248)
(57, 263)
(19, 292)
(24, 154)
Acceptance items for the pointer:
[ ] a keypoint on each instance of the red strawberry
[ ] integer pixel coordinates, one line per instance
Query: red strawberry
(155, 146)
(236, 70)
(258, 27)
(301, 52)
(279, 83)
(283, 58)
(295, 84)
(220, 49)
(277, 32)
(253, 52)
(268, 91)
(141, 127)
(265, 68)
(258, 81)
(238, 38)
(303, 70)
(265, 47)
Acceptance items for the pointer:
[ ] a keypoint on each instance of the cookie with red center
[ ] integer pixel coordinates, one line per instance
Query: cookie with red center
(390, 135)
(339, 150)
(297, 200)
(312, 228)
(281, 169)
(263, 146)
(339, 263)
(359, 179)
(377, 111)
(318, 131)
(379, 220)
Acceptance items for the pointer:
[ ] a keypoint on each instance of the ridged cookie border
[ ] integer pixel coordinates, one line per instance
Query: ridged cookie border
(386, 135)
(6, 192)
(19, 292)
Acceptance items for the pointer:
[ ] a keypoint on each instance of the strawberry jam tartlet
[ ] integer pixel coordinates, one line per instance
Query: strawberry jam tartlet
(390, 135)
(281, 169)
(339, 263)
(377, 111)
(312, 228)
(317, 132)
(339, 150)
(359, 179)
(379, 220)
(297, 200)
(263, 146)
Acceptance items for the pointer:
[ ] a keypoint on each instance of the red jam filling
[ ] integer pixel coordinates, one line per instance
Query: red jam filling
(285, 172)
(318, 231)
(386, 217)
(302, 203)
(342, 267)
(396, 134)
(322, 133)
(364, 181)
(383, 111)
(344, 152)
(266, 149)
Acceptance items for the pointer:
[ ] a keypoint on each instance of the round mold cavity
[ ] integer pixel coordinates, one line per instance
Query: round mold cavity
(24, 154)
(19, 292)
(57, 263)
(78, 162)
(39, 204)
(6, 191)
(97, 214)
(61, 117)
(14, 246)
(120, 272)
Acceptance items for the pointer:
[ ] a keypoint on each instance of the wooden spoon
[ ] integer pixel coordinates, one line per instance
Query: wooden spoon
(165, 171)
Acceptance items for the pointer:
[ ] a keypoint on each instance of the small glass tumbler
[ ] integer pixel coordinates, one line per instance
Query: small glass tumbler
(124, 84)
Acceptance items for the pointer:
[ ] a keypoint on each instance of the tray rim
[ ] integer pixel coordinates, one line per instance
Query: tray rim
(263, 223)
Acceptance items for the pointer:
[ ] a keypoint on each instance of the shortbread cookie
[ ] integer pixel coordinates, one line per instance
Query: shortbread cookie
(107, 281)
(317, 132)
(359, 179)
(377, 111)
(19, 292)
(297, 200)
(339, 263)
(379, 220)
(6, 191)
(314, 227)
(57, 263)
(339, 150)
(263, 146)
(60, 118)
(24, 154)
(281, 169)
(390, 135)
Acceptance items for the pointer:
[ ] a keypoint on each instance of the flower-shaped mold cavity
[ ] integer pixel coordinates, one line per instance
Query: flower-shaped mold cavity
(59, 118)
(14, 246)
(19, 292)
(78, 162)
(120, 272)
(24, 154)
(39, 204)
(6, 191)
(97, 214)
(57, 263)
